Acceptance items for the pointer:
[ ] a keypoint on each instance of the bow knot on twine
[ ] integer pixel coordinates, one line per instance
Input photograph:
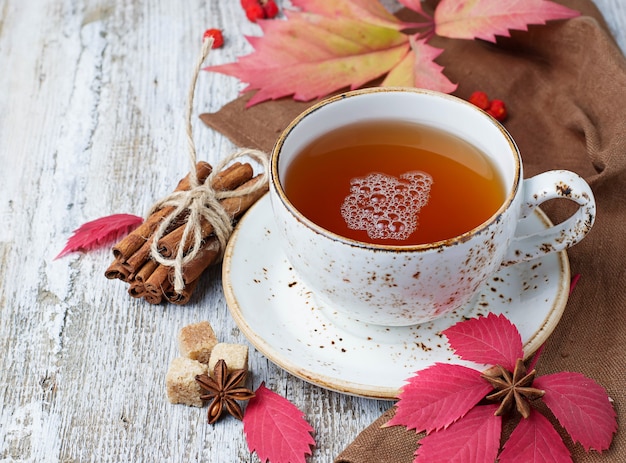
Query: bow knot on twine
(201, 201)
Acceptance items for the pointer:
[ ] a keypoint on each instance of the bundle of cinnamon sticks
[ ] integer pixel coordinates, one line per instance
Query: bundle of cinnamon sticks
(148, 279)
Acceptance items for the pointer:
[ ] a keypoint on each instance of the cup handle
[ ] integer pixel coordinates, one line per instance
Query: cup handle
(553, 184)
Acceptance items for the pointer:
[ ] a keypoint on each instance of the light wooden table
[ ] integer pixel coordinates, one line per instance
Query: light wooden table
(92, 98)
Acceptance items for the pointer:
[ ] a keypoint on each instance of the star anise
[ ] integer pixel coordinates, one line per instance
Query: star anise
(223, 390)
(516, 389)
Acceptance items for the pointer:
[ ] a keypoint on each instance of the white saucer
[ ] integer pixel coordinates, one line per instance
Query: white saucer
(281, 318)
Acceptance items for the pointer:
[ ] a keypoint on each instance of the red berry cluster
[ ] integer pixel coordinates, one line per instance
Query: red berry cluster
(495, 108)
(216, 35)
(259, 9)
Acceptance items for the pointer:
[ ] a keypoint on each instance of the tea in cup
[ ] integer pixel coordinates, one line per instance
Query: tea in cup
(396, 204)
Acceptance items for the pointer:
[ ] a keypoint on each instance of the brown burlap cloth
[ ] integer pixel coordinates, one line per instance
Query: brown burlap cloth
(565, 87)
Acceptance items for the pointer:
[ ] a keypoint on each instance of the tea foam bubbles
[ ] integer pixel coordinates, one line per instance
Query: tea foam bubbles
(386, 207)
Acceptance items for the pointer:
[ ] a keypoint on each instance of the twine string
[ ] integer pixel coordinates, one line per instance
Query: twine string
(201, 201)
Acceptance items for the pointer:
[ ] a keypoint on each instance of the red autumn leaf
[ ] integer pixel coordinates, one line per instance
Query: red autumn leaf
(438, 396)
(99, 232)
(582, 407)
(311, 55)
(275, 429)
(418, 69)
(475, 439)
(441, 401)
(484, 19)
(491, 340)
(534, 440)
(328, 46)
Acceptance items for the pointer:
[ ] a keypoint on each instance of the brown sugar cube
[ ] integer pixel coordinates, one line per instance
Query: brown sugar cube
(235, 356)
(181, 384)
(197, 341)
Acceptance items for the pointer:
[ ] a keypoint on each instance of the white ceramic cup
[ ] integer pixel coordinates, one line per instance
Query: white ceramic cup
(406, 285)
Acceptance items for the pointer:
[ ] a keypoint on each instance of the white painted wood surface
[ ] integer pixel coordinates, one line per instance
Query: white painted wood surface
(92, 97)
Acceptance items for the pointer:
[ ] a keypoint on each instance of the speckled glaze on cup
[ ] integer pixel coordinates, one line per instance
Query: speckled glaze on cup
(406, 285)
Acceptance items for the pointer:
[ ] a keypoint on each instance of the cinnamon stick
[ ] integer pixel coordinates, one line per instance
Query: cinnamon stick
(208, 254)
(154, 284)
(233, 176)
(134, 240)
(182, 297)
(140, 257)
(203, 170)
(152, 281)
(234, 207)
(153, 298)
(118, 270)
(229, 178)
(136, 289)
(145, 271)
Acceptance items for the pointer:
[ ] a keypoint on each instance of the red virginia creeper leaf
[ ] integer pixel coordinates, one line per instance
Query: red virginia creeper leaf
(484, 19)
(582, 407)
(275, 429)
(310, 56)
(491, 340)
(474, 439)
(437, 396)
(99, 232)
(534, 440)
(418, 69)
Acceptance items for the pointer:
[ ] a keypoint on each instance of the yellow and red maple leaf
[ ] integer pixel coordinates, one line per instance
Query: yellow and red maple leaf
(311, 55)
(326, 46)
